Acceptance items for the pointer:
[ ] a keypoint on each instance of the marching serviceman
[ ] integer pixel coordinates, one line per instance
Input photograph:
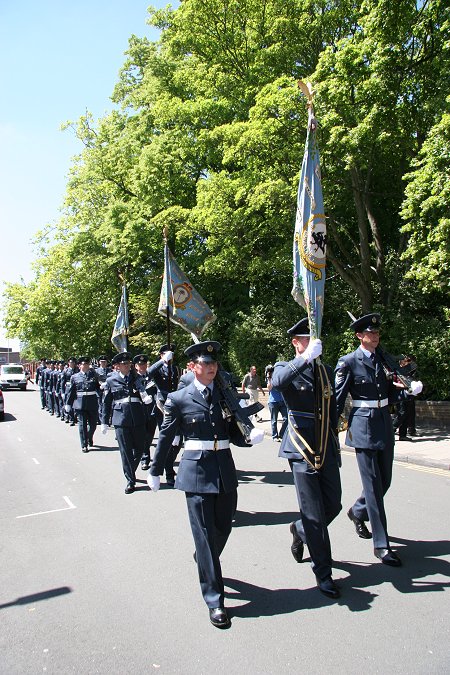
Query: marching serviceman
(40, 381)
(206, 472)
(313, 454)
(166, 376)
(102, 371)
(140, 363)
(67, 373)
(82, 396)
(124, 394)
(370, 431)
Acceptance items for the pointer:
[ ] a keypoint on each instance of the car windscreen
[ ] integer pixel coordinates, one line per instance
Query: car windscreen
(12, 370)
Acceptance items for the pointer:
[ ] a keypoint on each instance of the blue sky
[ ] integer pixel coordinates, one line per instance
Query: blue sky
(58, 59)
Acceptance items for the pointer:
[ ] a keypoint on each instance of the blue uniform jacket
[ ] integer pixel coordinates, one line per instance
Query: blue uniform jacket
(83, 390)
(295, 380)
(356, 375)
(124, 400)
(159, 373)
(201, 471)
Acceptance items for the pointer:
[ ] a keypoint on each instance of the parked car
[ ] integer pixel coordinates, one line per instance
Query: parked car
(12, 375)
(2, 406)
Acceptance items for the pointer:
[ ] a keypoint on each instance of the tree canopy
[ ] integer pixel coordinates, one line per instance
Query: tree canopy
(207, 138)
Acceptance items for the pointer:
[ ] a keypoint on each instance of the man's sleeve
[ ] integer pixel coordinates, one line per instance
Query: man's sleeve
(342, 378)
(169, 429)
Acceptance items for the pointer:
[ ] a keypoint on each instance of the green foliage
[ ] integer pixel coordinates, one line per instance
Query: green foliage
(207, 140)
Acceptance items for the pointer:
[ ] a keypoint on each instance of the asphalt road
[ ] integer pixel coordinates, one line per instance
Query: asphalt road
(96, 581)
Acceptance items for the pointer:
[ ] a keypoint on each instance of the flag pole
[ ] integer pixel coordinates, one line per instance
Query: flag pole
(167, 270)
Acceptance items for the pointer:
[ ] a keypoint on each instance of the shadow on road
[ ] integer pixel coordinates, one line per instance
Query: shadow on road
(269, 477)
(9, 418)
(36, 597)
(270, 602)
(249, 518)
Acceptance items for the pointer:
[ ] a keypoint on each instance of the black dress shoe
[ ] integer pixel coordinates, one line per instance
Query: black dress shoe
(328, 587)
(387, 557)
(170, 481)
(219, 617)
(129, 489)
(404, 438)
(297, 545)
(84, 449)
(360, 526)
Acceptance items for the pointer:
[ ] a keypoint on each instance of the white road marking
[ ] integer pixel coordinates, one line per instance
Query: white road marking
(35, 460)
(41, 513)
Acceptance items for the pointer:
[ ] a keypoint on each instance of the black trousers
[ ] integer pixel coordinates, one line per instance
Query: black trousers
(375, 468)
(87, 424)
(319, 498)
(211, 518)
(131, 442)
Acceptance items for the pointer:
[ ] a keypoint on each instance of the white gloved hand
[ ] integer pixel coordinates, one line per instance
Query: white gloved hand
(153, 482)
(167, 356)
(256, 436)
(176, 441)
(416, 387)
(104, 428)
(313, 350)
(103, 385)
(67, 408)
(146, 398)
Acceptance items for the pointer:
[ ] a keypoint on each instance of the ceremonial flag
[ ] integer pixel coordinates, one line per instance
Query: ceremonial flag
(119, 336)
(310, 236)
(180, 301)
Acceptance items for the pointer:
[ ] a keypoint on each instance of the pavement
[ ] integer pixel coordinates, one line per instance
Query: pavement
(430, 447)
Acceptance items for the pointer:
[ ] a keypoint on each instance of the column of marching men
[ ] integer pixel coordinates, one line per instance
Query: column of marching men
(136, 398)
(128, 394)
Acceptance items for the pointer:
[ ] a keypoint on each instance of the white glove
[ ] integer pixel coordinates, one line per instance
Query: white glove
(104, 428)
(256, 436)
(67, 408)
(167, 356)
(313, 350)
(176, 441)
(416, 387)
(103, 385)
(146, 398)
(153, 482)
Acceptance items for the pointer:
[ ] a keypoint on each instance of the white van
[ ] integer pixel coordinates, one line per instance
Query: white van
(13, 375)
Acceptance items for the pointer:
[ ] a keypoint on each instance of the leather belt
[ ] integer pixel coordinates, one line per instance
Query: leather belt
(300, 413)
(86, 393)
(381, 403)
(206, 445)
(128, 399)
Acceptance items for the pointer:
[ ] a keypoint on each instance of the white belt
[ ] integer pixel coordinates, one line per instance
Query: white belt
(206, 445)
(382, 403)
(128, 399)
(86, 393)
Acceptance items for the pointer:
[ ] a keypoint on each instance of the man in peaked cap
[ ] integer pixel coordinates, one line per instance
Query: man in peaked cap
(313, 454)
(370, 431)
(40, 381)
(140, 362)
(124, 397)
(82, 396)
(165, 374)
(103, 370)
(206, 472)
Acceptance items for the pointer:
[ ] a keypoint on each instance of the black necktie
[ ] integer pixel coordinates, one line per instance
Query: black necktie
(207, 395)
